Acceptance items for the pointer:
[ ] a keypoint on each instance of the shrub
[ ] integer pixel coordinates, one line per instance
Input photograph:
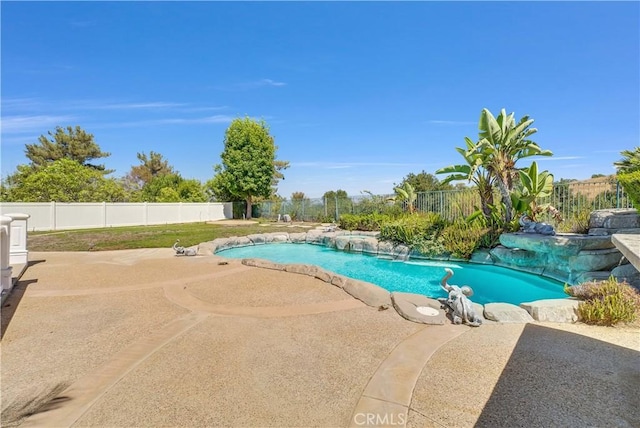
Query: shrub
(606, 302)
(578, 222)
(631, 184)
(412, 230)
(370, 222)
(461, 239)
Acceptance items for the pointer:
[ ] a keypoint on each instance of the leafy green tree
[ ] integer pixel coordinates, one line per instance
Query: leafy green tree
(173, 188)
(63, 180)
(249, 169)
(191, 190)
(298, 202)
(336, 202)
(150, 166)
(423, 182)
(217, 187)
(630, 161)
(70, 143)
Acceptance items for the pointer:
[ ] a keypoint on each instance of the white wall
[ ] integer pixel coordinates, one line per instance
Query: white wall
(60, 216)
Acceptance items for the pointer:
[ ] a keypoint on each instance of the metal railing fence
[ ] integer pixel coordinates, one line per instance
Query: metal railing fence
(570, 199)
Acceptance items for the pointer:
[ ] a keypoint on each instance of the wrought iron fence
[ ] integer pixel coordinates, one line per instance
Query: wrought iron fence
(570, 199)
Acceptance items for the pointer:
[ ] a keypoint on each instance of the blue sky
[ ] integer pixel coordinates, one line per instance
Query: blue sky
(357, 94)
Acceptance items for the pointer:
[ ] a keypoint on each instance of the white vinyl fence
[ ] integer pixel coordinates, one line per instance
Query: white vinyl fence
(61, 216)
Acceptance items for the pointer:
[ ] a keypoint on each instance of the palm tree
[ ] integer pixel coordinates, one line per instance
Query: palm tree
(630, 161)
(502, 143)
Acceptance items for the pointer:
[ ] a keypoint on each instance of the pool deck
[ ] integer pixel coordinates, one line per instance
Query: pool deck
(144, 338)
(629, 246)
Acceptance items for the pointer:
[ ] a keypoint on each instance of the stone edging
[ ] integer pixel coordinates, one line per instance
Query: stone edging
(555, 310)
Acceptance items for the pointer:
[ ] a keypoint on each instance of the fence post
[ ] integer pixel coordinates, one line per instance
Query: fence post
(104, 214)
(52, 215)
(145, 214)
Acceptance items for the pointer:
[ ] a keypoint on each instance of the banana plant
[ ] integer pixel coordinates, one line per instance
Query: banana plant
(533, 186)
(473, 172)
(502, 143)
(407, 194)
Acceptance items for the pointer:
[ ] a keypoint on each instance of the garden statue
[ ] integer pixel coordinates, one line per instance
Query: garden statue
(458, 302)
(529, 226)
(181, 251)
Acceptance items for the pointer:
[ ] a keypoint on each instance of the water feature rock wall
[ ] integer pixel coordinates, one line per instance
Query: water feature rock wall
(572, 258)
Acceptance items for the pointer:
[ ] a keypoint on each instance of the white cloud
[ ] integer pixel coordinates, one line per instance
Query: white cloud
(270, 82)
(21, 104)
(20, 124)
(344, 165)
(150, 105)
(244, 86)
(450, 122)
(220, 118)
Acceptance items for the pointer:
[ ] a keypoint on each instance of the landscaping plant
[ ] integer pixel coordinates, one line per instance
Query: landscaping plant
(412, 229)
(462, 238)
(606, 302)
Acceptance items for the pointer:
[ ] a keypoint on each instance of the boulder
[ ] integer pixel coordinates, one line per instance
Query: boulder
(506, 313)
(619, 218)
(562, 244)
(298, 238)
(242, 241)
(412, 307)
(553, 310)
(309, 270)
(594, 260)
(516, 257)
(339, 280)
(481, 257)
(314, 237)
(385, 248)
(356, 244)
(627, 273)
(401, 252)
(343, 242)
(257, 238)
(324, 275)
(261, 263)
(370, 245)
(276, 237)
(206, 249)
(370, 294)
(222, 243)
(592, 276)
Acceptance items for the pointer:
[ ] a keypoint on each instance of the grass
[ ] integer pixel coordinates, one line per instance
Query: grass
(122, 238)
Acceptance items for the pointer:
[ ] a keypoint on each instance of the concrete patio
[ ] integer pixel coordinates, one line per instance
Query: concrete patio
(143, 338)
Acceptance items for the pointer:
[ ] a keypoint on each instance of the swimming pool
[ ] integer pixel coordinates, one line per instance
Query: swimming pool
(489, 283)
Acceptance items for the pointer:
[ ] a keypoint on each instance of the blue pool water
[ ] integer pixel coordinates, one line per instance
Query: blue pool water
(489, 283)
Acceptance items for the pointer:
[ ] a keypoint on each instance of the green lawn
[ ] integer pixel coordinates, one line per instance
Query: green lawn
(120, 238)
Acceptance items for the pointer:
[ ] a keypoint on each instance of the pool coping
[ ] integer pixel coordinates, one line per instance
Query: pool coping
(553, 310)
